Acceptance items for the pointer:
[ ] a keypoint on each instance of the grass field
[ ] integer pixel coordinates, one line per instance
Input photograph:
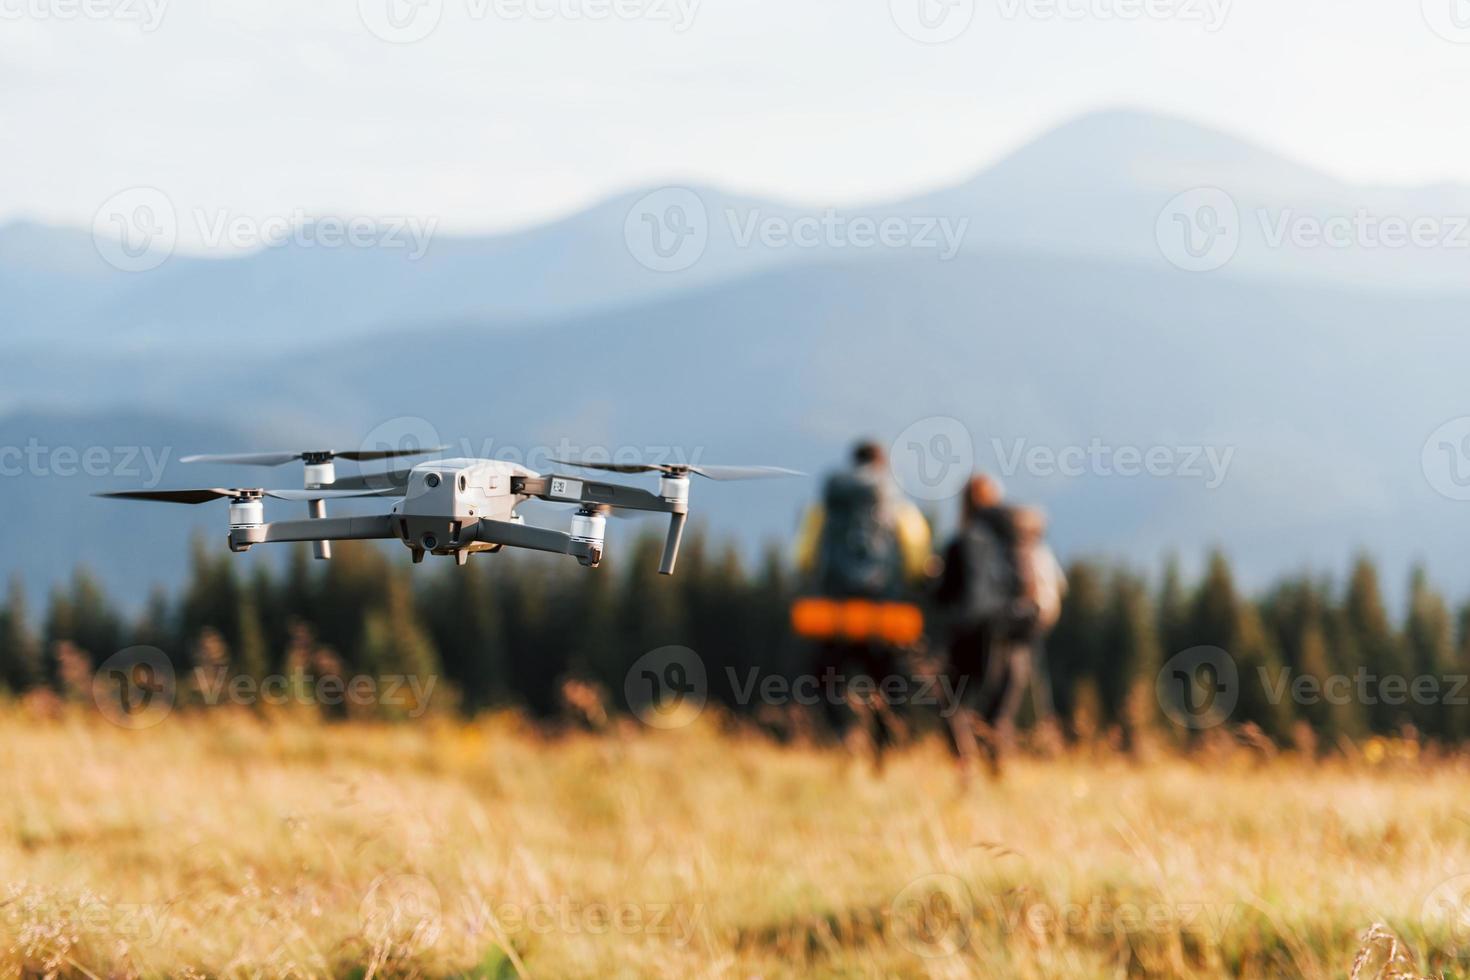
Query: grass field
(218, 844)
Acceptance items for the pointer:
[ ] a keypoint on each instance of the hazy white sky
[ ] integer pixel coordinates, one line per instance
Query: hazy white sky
(509, 111)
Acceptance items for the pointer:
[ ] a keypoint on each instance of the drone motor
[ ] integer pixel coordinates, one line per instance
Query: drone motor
(590, 527)
(674, 488)
(320, 470)
(247, 510)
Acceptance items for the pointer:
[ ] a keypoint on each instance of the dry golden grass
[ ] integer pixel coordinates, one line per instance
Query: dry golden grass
(220, 844)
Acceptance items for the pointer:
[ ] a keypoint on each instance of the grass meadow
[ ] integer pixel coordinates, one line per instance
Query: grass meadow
(227, 844)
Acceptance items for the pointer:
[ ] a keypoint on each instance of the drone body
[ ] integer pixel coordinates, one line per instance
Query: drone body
(446, 496)
(453, 507)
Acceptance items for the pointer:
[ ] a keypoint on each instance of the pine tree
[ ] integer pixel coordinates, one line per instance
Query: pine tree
(251, 654)
(1173, 610)
(20, 651)
(154, 627)
(1382, 654)
(1456, 710)
(299, 595)
(1259, 662)
(715, 608)
(770, 600)
(526, 591)
(354, 581)
(1076, 648)
(463, 616)
(595, 652)
(1285, 611)
(1221, 618)
(96, 626)
(1295, 616)
(1133, 660)
(1344, 660)
(269, 605)
(651, 614)
(1429, 639)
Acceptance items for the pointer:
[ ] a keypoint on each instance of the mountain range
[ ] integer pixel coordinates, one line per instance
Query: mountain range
(1288, 397)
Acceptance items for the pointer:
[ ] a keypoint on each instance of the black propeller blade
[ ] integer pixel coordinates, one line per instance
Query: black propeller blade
(390, 480)
(277, 459)
(202, 496)
(709, 472)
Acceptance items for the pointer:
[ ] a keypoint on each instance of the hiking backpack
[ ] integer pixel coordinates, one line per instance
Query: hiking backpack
(859, 552)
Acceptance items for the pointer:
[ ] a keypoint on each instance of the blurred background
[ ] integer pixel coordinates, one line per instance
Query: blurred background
(1187, 274)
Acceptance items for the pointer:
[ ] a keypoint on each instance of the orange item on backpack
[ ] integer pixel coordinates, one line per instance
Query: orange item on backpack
(856, 620)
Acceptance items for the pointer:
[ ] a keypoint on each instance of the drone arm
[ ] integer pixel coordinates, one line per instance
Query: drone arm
(592, 493)
(376, 527)
(535, 539)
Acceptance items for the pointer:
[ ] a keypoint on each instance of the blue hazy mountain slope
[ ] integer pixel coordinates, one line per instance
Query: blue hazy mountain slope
(1317, 400)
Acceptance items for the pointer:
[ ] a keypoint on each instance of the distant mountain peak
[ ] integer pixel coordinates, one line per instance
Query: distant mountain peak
(1140, 150)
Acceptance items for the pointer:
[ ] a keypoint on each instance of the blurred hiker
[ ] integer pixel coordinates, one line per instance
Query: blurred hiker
(1042, 582)
(864, 539)
(1000, 594)
(864, 550)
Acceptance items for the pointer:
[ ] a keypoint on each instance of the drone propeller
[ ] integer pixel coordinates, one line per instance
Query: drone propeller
(396, 480)
(722, 473)
(231, 493)
(335, 493)
(321, 472)
(322, 456)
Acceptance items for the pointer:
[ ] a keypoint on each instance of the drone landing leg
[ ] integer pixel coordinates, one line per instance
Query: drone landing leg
(671, 543)
(317, 510)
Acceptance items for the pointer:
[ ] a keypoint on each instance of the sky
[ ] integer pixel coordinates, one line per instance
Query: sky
(494, 114)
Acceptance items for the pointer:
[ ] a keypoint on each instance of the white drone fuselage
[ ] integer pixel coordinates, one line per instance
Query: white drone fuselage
(446, 495)
(444, 502)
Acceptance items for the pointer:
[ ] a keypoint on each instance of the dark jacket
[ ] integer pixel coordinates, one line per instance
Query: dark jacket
(979, 583)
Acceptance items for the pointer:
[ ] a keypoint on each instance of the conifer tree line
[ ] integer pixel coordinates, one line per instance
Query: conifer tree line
(510, 630)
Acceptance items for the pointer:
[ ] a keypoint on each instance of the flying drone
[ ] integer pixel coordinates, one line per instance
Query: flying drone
(452, 507)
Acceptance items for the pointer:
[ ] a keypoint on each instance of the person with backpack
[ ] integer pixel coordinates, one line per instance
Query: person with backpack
(1000, 593)
(864, 539)
(865, 550)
